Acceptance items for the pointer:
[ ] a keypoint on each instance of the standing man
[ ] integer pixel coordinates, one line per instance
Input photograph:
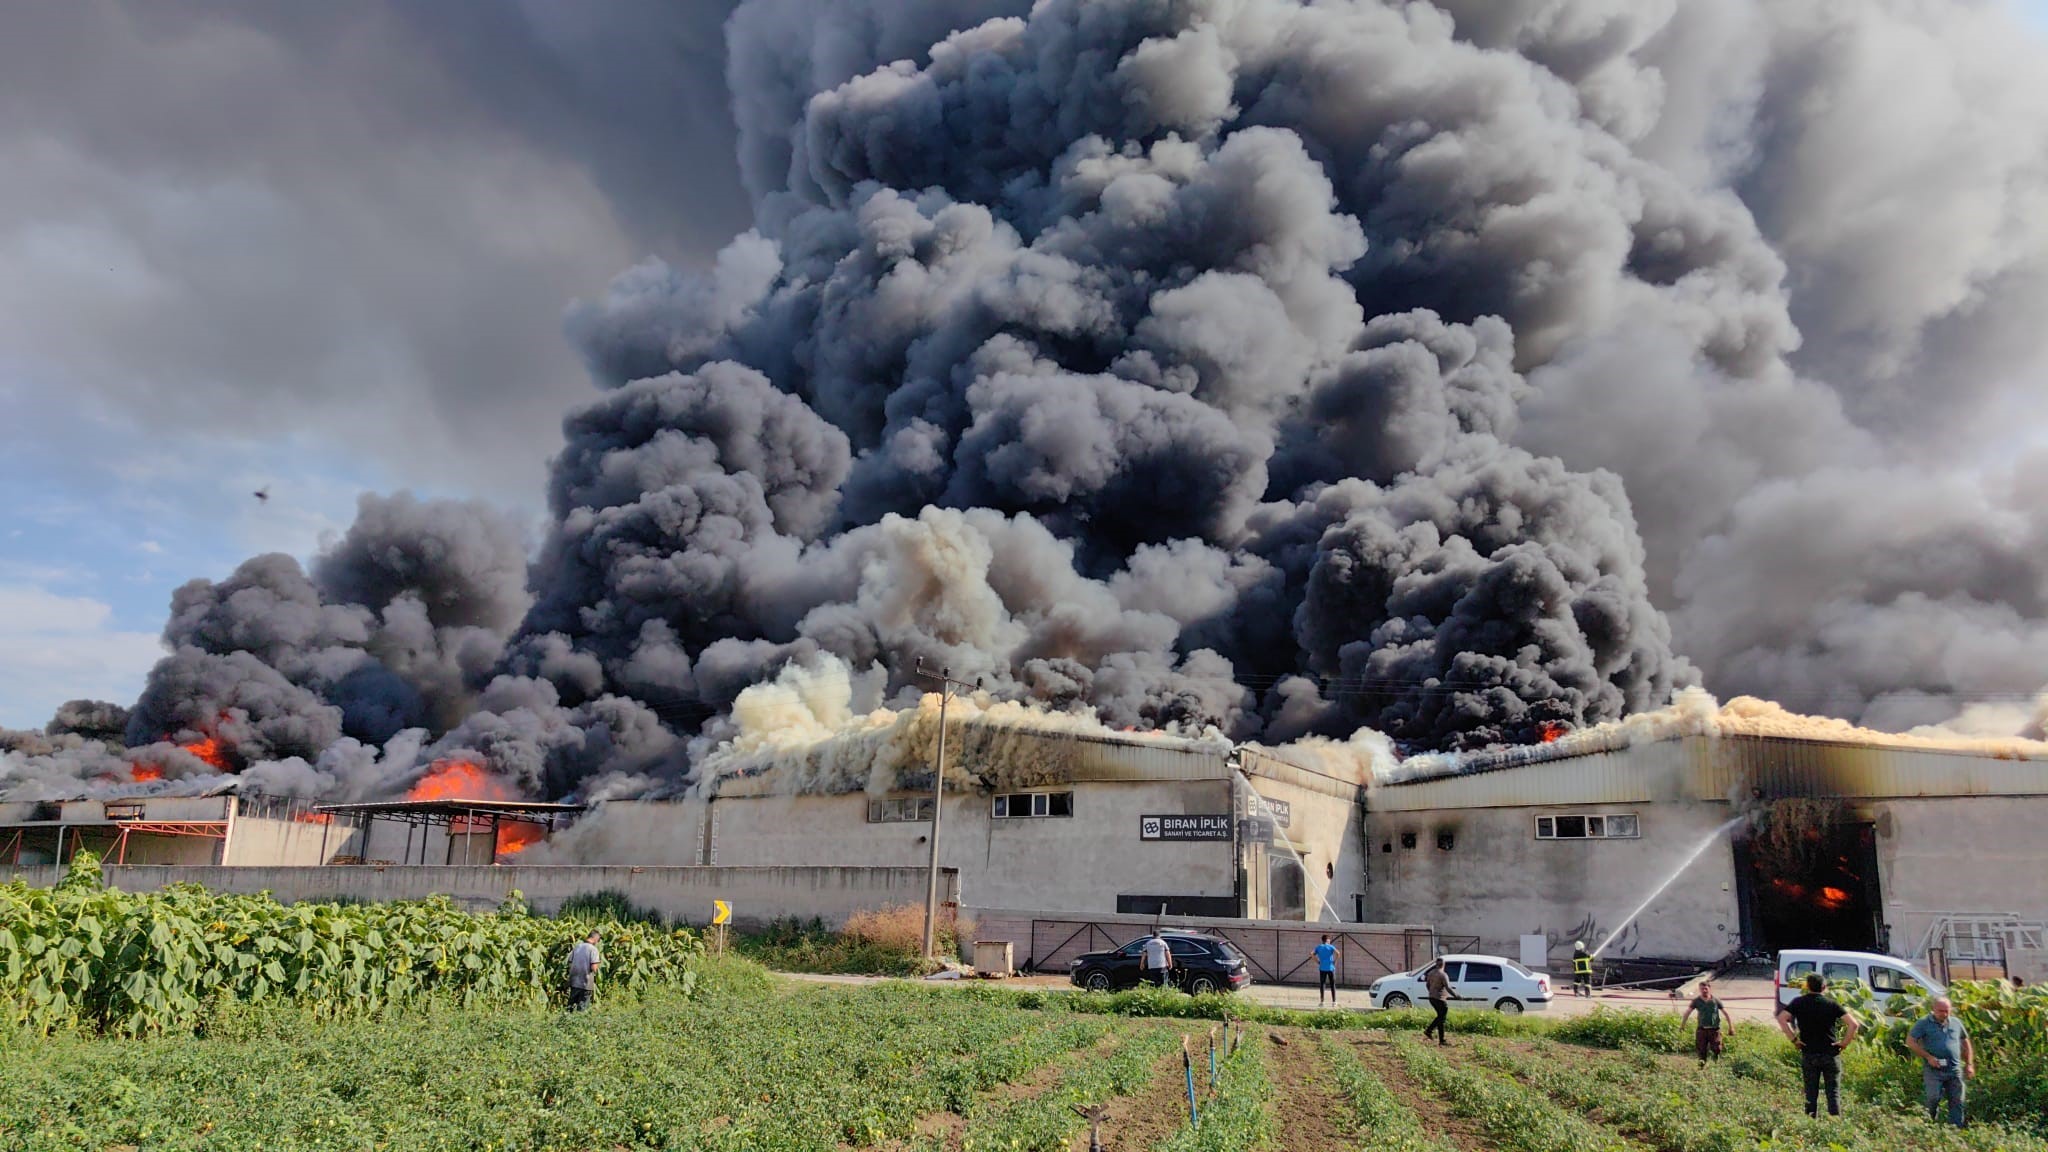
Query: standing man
(1155, 958)
(1438, 986)
(1582, 969)
(1326, 971)
(1706, 1038)
(1943, 1045)
(1809, 1022)
(584, 961)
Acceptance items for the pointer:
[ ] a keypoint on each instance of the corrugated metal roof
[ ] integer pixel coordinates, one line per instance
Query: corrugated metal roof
(1712, 768)
(1628, 776)
(1052, 757)
(1730, 766)
(1261, 763)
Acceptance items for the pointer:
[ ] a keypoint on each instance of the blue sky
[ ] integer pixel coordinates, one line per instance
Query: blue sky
(319, 249)
(104, 518)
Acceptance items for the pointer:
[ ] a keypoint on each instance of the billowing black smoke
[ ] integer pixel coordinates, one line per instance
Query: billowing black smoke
(1285, 368)
(1139, 290)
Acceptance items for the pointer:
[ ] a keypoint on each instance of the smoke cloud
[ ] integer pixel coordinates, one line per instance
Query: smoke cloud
(1418, 378)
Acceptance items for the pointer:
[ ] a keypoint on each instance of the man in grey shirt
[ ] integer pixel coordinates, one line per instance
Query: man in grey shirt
(583, 964)
(1155, 960)
(1943, 1046)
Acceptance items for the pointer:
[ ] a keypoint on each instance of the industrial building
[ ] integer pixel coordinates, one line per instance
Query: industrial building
(1099, 824)
(217, 823)
(1766, 843)
(1684, 843)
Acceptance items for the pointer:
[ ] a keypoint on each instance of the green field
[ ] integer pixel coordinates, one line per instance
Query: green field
(186, 1019)
(751, 1061)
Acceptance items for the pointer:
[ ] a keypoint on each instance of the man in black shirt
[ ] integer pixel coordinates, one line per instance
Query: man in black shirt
(1809, 1022)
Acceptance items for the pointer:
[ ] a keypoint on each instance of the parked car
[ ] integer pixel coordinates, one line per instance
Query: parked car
(1885, 976)
(1201, 963)
(1494, 982)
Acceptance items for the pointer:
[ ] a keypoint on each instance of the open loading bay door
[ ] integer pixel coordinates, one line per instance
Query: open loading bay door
(1809, 879)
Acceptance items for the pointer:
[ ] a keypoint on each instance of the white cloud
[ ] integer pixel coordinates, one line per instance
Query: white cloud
(55, 648)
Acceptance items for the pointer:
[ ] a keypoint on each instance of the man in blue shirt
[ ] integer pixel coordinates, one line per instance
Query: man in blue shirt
(1943, 1046)
(1326, 971)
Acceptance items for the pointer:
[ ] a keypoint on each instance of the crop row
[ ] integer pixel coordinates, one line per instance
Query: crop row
(82, 955)
(1047, 1122)
(1510, 1114)
(1235, 1118)
(754, 1068)
(1689, 1109)
(1383, 1121)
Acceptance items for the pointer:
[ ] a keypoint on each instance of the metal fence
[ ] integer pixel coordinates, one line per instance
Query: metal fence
(1277, 952)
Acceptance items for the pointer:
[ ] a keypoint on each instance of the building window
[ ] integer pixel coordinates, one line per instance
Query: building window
(1407, 839)
(1611, 826)
(1019, 805)
(908, 810)
(1445, 841)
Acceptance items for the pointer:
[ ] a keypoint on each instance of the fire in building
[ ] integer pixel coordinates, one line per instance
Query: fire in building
(1657, 839)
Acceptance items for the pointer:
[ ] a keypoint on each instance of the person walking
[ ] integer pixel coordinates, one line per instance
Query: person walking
(1941, 1043)
(1809, 1022)
(1326, 971)
(1438, 987)
(1155, 959)
(584, 961)
(1582, 969)
(1706, 1036)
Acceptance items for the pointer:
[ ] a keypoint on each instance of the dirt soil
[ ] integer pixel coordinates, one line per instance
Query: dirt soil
(1310, 1110)
(1376, 1051)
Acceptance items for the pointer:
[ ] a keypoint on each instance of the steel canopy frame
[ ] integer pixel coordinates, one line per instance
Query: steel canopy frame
(471, 814)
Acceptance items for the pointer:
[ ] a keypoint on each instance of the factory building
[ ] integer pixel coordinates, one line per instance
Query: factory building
(216, 823)
(1660, 844)
(1766, 843)
(1096, 824)
(202, 824)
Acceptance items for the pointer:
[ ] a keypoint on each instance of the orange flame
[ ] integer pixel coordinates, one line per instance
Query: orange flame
(517, 837)
(144, 773)
(1833, 898)
(458, 780)
(1550, 730)
(210, 750)
(315, 818)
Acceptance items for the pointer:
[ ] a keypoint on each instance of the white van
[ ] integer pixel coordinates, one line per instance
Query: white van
(1883, 975)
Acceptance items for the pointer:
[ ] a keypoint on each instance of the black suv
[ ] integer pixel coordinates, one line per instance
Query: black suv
(1200, 964)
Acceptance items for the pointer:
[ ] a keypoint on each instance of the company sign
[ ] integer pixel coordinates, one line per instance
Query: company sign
(1282, 811)
(1184, 827)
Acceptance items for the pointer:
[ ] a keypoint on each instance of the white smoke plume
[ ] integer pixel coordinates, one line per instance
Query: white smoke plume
(1389, 379)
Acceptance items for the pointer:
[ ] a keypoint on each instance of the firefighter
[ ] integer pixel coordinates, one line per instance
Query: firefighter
(1582, 969)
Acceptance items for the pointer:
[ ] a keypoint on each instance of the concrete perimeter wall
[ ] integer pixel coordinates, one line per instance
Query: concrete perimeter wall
(757, 895)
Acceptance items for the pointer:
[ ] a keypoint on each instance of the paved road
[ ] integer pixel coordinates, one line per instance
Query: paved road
(1747, 999)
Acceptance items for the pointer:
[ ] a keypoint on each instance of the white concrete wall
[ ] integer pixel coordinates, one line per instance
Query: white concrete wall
(757, 895)
(1079, 863)
(1499, 882)
(264, 842)
(1941, 857)
(1326, 830)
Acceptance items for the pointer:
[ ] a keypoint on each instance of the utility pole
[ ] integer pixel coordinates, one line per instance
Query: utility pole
(931, 892)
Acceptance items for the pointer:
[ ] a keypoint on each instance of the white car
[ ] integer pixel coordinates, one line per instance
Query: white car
(1885, 976)
(1494, 982)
